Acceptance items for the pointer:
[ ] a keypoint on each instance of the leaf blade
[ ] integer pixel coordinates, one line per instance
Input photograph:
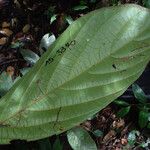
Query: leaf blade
(50, 98)
(79, 139)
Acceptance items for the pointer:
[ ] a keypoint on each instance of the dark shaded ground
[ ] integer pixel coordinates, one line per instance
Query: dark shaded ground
(26, 22)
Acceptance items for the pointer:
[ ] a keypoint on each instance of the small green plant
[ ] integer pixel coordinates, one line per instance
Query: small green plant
(81, 6)
(52, 15)
(80, 139)
(134, 143)
(141, 104)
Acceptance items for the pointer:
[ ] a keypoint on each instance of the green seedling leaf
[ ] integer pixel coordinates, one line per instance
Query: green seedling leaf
(139, 94)
(121, 103)
(17, 45)
(46, 41)
(98, 133)
(79, 139)
(90, 65)
(53, 18)
(69, 20)
(80, 7)
(148, 126)
(123, 111)
(132, 137)
(29, 56)
(143, 118)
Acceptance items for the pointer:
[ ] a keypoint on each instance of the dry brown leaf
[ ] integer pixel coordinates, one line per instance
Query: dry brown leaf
(26, 28)
(109, 135)
(124, 141)
(3, 40)
(6, 32)
(5, 24)
(118, 124)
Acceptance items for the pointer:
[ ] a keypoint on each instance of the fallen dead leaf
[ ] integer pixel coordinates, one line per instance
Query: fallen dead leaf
(124, 141)
(3, 40)
(6, 32)
(5, 24)
(26, 28)
(109, 135)
(118, 124)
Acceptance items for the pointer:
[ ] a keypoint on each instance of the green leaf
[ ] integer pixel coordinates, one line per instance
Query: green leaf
(29, 56)
(98, 133)
(46, 41)
(17, 45)
(132, 137)
(80, 7)
(139, 94)
(79, 139)
(121, 103)
(91, 64)
(53, 18)
(123, 111)
(143, 118)
(69, 20)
